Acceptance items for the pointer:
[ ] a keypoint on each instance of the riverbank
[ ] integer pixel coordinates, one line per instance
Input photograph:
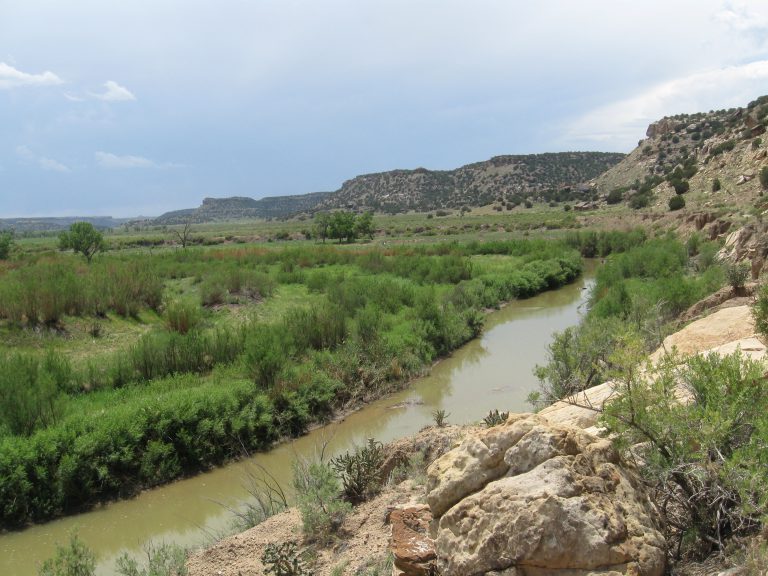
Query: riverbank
(493, 371)
(720, 331)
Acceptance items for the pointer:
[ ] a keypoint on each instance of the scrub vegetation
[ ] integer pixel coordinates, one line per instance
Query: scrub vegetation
(136, 369)
(703, 458)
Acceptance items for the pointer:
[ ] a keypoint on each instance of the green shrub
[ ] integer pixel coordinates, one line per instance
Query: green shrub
(318, 500)
(267, 351)
(706, 458)
(6, 242)
(681, 186)
(181, 316)
(360, 471)
(163, 559)
(495, 418)
(764, 177)
(75, 559)
(676, 203)
(737, 274)
(760, 310)
(615, 196)
(31, 391)
(716, 185)
(283, 560)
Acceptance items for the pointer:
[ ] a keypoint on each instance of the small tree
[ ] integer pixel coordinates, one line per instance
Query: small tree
(184, 234)
(82, 237)
(716, 185)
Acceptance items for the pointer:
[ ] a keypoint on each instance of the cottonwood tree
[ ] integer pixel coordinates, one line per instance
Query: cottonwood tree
(82, 237)
(364, 225)
(342, 226)
(322, 224)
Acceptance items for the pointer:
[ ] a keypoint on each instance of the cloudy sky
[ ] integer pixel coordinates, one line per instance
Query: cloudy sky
(139, 107)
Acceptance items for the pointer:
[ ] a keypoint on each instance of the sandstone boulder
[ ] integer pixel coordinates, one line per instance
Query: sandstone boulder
(528, 498)
(413, 549)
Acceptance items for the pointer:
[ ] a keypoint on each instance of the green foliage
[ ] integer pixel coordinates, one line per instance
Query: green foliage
(45, 292)
(342, 226)
(737, 274)
(322, 225)
(267, 350)
(181, 316)
(726, 146)
(680, 186)
(82, 237)
(284, 560)
(360, 471)
(495, 418)
(31, 391)
(577, 359)
(716, 185)
(6, 243)
(352, 326)
(75, 559)
(318, 499)
(764, 177)
(364, 225)
(705, 458)
(760, 310)
(639, 201)
(163, 559)
(440, 417)
(676, 203)
(615, 196)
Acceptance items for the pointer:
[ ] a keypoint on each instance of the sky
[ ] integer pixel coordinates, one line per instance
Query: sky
(135, 108)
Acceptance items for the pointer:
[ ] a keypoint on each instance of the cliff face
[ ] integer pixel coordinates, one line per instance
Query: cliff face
(240, 207)
(501, 181)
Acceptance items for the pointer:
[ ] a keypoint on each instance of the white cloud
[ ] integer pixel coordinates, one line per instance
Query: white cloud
(72, 97)
(113, 92)
(620, 124)
(48, 164)
(10, 78)
(739, 16)
(114, 162)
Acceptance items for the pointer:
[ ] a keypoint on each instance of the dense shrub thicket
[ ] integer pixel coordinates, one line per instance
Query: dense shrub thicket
(189, 395)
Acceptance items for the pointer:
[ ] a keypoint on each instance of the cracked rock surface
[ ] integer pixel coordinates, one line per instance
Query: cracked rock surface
(529, 497)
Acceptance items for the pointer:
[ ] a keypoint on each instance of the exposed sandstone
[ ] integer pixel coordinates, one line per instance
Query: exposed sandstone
(539, 498)
(413, 549)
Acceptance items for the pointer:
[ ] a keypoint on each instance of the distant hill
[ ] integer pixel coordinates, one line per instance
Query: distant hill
(713, 158)
(22, 225)
(503, 181)
(239, 207)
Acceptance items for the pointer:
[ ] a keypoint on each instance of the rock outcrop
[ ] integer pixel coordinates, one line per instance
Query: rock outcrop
(530, 498)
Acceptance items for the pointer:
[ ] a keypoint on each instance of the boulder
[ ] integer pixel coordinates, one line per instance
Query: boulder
(721, 327)
(413, 549)
(528, 498)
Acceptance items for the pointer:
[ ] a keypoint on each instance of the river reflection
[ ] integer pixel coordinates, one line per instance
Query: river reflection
(493, 371)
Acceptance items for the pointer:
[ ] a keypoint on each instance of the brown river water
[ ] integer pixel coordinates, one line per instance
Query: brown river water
(493, 371)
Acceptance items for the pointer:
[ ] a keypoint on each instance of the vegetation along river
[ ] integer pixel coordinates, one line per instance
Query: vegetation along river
(493, 371)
